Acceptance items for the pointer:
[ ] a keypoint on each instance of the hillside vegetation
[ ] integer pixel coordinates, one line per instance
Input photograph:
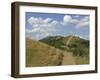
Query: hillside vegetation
(57, 50)
(78, 46)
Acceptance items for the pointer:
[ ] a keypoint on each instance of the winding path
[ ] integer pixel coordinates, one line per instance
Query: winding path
(68, 58)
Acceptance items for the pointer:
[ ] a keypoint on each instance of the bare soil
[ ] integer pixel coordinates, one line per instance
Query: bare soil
(68, 59)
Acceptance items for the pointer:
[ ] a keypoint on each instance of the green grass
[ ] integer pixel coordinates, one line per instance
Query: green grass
(81, 60)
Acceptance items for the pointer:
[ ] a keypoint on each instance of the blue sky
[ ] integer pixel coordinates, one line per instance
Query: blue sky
(41, 25)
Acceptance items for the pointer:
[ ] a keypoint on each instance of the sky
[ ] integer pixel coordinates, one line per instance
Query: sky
(41, 25)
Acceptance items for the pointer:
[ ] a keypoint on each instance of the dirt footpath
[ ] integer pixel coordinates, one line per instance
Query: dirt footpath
(68, 59)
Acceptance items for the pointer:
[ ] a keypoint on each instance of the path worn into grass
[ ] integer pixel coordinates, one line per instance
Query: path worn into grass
(68, 59)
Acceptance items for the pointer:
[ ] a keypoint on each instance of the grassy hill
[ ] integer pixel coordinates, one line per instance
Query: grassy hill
(78, 46)
(40, 54)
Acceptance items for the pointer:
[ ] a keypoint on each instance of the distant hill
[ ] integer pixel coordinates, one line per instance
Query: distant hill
(40, 54)
(78, 46)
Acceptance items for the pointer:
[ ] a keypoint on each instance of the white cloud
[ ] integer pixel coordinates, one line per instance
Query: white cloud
(30, 20)
(55, 22)
(47, 20)
(36, 29)
(46, 27)
(85, 19)
(83, 22)
(34, 20)
(74, 21)
(67, 19)
(39, 22)
(42, 27)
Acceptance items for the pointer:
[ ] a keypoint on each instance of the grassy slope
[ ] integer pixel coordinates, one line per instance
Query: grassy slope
(79, 47)
(40, 54)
